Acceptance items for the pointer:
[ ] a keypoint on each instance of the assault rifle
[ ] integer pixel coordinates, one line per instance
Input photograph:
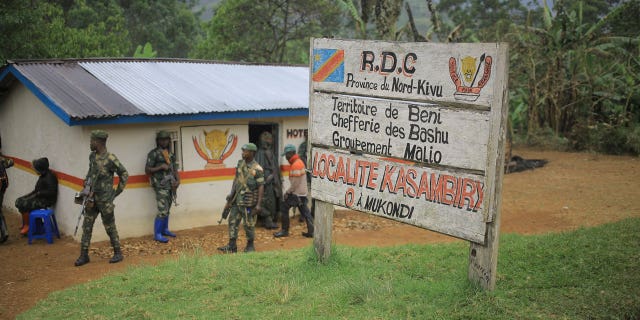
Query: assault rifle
(171, 179)
(230, 199)
(85, 198)
(225, 214)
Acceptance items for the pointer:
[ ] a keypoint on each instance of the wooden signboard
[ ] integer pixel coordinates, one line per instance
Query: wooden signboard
(413, 132)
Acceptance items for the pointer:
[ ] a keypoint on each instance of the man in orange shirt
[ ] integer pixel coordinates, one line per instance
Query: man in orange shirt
(296, 195)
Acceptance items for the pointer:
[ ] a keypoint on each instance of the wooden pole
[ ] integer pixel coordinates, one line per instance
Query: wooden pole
(323, 223)
(483, 259)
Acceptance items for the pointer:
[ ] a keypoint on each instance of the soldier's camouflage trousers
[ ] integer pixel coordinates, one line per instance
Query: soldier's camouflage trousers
(237, 215)
(163, 201)
(270, 203)
(105, 208)
(30, 203)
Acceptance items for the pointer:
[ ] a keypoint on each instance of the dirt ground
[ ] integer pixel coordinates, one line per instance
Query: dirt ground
(572, 190)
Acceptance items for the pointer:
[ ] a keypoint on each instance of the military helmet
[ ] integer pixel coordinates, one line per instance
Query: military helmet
(250, 146)
(162, 134)
(99, 134)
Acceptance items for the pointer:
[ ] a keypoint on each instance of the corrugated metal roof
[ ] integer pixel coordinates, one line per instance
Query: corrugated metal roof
(75, 91)
(178, 87)
(84, 89)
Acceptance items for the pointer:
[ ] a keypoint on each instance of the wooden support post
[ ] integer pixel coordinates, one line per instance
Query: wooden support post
(323, 223)
(483, 259)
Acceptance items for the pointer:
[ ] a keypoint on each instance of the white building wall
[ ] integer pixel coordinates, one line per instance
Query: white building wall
(30, 130)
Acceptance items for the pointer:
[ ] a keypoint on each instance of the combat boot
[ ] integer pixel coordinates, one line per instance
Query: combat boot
(229, 248)
(83, 258)
(281, 233)
(250, 247)
(117, 256)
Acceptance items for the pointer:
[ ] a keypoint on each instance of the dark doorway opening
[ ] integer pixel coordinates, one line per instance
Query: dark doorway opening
(256, 129)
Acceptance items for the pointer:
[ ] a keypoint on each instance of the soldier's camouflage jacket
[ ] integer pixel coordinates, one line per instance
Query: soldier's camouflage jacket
(101, 170)
(249, 177)
(154, 159)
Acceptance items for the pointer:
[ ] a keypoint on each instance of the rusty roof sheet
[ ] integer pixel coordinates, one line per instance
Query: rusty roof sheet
(76, 91)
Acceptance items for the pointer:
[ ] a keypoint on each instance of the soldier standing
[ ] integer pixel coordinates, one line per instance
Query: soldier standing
(161, 166)
(245, 199)
(4, 184)
(102, 166)
(272, 181)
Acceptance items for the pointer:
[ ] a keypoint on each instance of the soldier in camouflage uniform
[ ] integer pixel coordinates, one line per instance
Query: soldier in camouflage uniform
(272, 181)
(245, 199)
(102, 166)
(4, 184)
(161, 166)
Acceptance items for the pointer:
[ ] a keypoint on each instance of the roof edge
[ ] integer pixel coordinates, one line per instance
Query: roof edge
(11, 69)
(128, 59)
(143, 118)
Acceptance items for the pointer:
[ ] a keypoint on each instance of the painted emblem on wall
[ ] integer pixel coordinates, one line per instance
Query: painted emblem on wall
(215, 146)
(465, 77)
(328, 65)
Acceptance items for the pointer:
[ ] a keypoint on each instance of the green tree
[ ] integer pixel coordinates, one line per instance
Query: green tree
(145, 52)
(480, 20)
(169, 24)
(576, 78)
(267, 30)
(40, 29)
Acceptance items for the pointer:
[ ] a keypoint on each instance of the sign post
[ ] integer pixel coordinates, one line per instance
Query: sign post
(412, 132)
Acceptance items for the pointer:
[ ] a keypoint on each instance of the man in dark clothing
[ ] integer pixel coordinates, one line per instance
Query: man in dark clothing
(272, 181)
(44, 195)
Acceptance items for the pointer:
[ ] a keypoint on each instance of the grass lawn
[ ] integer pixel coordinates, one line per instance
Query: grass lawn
(585, 274)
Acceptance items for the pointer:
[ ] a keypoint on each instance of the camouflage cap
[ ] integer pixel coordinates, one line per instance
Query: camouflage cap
(250, 146)
(162, 134)
(289, 148)
(99, 134)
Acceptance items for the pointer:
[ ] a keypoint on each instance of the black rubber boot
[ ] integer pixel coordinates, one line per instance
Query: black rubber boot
(250, 247)
(83, 258)
(309, 219)
(117, 256)
(229, 248)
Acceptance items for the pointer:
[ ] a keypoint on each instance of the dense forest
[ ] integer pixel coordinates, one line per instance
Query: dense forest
(574, 65)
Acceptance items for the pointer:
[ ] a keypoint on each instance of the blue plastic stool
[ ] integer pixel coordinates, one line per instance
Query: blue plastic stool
(49, 223)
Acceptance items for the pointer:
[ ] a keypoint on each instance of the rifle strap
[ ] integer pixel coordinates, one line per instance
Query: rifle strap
(243, 179)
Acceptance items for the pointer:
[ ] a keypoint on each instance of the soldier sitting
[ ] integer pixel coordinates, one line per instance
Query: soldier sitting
(44, 195)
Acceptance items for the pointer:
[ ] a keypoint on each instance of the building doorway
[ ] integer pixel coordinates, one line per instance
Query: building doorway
(256, 129)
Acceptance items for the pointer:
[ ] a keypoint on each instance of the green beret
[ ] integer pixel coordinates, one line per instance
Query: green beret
(99, 134)
(162, 134)
(289, 148)
(250, 146)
